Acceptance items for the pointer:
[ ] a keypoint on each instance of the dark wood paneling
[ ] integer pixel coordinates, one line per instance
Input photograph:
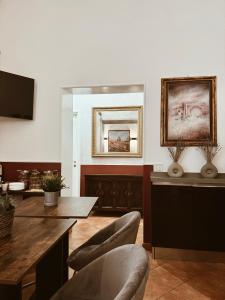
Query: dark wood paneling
(147, 226)
(112, 169)
(208, 218)
(116, 192)
(171, 216)
(188, 217)
(9, 169)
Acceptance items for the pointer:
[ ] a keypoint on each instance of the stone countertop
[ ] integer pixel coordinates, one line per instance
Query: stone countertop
(188, 179)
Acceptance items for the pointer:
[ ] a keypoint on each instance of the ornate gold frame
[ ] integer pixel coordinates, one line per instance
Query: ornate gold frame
(164, 111)
(139, 109)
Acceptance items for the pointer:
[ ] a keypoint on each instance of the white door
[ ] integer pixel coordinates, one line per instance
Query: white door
(76, 155)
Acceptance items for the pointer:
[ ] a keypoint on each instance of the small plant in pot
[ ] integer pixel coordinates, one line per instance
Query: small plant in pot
(52, 184)
(6, 215)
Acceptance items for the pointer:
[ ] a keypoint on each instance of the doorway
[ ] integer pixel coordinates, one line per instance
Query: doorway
(76, 141)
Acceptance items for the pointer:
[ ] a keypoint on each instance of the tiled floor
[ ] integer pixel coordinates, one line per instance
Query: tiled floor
(168, 280)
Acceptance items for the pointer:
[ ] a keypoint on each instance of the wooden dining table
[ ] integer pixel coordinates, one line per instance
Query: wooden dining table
(68, 207)
(40, 243)
(40, 240)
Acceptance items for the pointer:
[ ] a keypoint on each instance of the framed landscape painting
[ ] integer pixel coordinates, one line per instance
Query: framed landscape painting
(188, 111)
(117, 131)
(119, 141)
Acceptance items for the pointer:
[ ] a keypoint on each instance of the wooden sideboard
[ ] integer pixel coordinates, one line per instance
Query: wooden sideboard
(115, 192)
(188, 212)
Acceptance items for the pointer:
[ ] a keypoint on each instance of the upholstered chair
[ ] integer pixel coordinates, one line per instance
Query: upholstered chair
(120, 274)
(121, 232)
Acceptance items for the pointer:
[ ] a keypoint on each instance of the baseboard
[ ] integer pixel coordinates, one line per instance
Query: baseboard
(147, 246)
(189, 255)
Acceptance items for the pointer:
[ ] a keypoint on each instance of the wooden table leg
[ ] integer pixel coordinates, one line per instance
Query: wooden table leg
(11, 292)
(65, 254)
(52, 270)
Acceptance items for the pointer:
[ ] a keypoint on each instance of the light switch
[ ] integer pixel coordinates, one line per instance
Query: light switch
(158, 167)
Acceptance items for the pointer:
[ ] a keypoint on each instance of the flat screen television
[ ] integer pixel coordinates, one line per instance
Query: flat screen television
(16, 96)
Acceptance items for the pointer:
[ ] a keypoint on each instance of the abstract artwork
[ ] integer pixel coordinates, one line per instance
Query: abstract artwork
(188, 111)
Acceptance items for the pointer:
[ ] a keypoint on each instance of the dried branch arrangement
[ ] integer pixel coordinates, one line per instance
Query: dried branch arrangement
(175, 152)
(210, 151)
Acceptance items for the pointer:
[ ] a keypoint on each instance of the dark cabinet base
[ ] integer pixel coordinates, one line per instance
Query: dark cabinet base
(188, 217)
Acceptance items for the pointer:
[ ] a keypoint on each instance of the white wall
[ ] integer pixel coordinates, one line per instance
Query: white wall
(83, 43)
(83, 104)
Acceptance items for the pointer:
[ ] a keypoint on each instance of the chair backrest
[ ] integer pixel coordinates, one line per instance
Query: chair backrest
(126, 227)
(124, 274)
(128, 222)
(120, 232)
(120, 274)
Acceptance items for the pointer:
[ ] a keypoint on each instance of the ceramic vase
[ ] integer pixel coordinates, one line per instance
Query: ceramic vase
(209, 170)
(175, 170)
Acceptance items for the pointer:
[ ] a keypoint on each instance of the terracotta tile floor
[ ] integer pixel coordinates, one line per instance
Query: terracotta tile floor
(168, 280)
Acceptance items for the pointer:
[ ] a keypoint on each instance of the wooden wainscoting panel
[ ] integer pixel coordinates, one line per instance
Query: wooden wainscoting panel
(9, 169)
(116, 192)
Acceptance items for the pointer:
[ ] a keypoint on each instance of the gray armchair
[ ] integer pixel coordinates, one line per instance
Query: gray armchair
(121, 232)
(120, 274)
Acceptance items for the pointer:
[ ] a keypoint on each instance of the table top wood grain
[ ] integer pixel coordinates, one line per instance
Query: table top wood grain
(68, 207)
(30, 240)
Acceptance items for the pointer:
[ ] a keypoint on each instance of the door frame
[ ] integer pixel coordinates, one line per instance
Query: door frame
(69, 93)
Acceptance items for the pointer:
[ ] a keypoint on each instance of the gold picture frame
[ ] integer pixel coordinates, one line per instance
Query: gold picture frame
(188, 111)
(112, 124)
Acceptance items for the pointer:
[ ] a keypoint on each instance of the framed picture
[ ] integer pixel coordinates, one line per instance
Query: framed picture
(188, 111)
(119, 141)
(117, 131)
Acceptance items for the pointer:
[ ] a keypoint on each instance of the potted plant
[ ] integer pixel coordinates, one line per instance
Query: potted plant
(52, 184)
(6, 215)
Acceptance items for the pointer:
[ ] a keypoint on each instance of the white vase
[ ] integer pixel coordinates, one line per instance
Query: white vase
(209, 170)
(51, 198)
(175, 170)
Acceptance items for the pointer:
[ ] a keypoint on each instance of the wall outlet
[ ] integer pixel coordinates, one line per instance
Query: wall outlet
(158, 167)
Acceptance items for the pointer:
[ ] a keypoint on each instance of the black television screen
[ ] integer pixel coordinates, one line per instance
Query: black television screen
(16, 96)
